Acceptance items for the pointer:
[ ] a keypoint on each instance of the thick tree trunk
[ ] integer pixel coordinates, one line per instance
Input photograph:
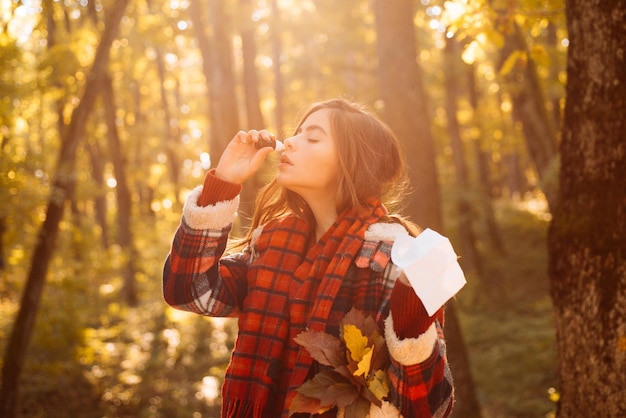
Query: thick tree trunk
(405, 106)
(227, 110)
(254, 115)
(252, 100)
(407, 114)
(586, 239)
(23, 326)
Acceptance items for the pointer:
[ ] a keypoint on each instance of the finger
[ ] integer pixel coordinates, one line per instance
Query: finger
(240, 137)
(253, 136)
(257, 159)
(266, 135)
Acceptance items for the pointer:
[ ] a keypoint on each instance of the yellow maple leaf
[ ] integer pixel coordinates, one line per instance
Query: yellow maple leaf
(355, 342)
(364, 363)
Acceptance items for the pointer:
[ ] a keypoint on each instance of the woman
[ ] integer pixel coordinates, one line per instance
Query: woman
(319, 246)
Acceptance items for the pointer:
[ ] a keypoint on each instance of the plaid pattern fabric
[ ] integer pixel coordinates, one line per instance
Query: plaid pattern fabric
(278, 288)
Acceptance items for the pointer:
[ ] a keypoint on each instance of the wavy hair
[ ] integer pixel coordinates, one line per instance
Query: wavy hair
(371, 165)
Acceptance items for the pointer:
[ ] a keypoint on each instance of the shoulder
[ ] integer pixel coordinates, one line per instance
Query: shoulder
(377, 243)
(285, 228)
(385, 231)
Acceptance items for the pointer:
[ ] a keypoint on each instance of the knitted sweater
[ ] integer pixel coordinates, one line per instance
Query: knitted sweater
(194, 280)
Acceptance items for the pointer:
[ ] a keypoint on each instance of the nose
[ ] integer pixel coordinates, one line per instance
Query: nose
(290, 142)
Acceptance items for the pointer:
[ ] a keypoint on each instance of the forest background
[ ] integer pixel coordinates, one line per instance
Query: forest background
(110, 112)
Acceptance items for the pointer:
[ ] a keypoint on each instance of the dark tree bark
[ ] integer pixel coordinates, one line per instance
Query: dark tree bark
(124, 199)
(407, 114)
(587, 244)
(61, 186)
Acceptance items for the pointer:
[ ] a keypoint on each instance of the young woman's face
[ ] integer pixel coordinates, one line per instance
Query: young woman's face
(309, 165)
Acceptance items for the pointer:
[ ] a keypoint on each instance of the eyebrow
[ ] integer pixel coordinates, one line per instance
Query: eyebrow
(310, 128)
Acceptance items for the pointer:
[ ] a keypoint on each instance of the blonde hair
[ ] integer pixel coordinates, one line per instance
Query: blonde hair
(370, 161)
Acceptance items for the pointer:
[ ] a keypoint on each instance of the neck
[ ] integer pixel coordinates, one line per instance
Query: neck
(325, 215)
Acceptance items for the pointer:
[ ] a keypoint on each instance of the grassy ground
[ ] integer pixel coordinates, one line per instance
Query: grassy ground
(506, 316)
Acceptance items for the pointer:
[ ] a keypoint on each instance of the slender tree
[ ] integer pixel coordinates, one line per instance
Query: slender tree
(407, 114)
(467, 235)
(587, 247)
(63, 182)
(125, 236)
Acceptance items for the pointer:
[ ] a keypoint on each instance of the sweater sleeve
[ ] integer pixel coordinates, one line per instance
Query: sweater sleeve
(410, 319)
(217, 190)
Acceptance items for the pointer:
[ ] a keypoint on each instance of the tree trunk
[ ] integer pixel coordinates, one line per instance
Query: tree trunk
(227, 111)
(586, 243)
(124, 199)
(23, 326)
(482, 164)
(405, 107)
(530, 108)
(467, 236)
(252, 100)
(170, 133)
(402, 90)
(196, 12)
(279, 85)
(250, 77)
(100, 203)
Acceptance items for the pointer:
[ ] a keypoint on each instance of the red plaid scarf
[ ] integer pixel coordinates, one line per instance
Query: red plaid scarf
(290, 289)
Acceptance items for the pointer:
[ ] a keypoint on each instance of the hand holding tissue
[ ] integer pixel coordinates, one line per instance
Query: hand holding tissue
(431, 265)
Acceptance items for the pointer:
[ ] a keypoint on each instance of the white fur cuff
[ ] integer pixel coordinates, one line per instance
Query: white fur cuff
(410, 351)
(217, 216)
(384, 232)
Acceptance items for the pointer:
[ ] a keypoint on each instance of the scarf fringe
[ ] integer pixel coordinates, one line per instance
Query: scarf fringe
(236, 408)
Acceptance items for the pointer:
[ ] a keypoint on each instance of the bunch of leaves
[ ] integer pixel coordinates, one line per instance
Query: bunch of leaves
(355, 375)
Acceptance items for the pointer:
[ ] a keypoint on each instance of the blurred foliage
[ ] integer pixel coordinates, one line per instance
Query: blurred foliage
(92, 356)
(506, 316)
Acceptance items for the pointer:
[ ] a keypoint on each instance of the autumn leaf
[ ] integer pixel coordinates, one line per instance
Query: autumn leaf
(355, 342)
(354, 317)
(327, 387)
(378, 384)
(324, 348)
(364, 364)
(301, 403)
(358, 378)
(358, 409)
(380, 358)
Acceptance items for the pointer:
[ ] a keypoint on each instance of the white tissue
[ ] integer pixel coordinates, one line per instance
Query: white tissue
(430, 264)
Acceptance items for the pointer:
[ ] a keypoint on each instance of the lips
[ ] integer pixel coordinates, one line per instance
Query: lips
(285, 160)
